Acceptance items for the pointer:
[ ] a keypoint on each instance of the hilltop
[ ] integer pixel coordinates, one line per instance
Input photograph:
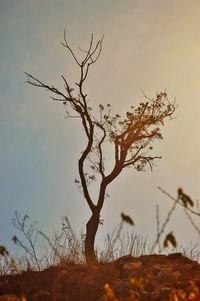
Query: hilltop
(146, 278)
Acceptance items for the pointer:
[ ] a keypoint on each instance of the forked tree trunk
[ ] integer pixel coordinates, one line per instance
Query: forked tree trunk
(91, 230)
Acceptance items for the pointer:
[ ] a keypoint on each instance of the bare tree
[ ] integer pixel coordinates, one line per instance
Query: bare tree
(131, 137)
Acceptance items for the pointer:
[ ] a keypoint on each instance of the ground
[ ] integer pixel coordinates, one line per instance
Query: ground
(146, 278)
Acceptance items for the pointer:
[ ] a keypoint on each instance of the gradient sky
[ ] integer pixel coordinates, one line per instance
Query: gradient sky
(151, 45)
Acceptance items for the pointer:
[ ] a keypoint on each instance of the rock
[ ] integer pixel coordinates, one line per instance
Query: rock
(155, 296)
(62, 297)
(167, 274)
(11, 297)
(120, 284)
(162, 294)
(145, 296)
(165, 291)
(190, 267)
(41, 295)
(135, 265)
(175, 256)
(123, 260)
(157, 267)
(5, 287)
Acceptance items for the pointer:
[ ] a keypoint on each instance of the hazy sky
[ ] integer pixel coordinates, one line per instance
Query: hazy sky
(151, 45)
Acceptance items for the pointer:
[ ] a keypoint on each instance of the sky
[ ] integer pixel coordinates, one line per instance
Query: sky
(151, 45)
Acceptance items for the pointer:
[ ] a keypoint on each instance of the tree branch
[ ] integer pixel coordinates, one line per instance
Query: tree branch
(81, 170)
(101, 164)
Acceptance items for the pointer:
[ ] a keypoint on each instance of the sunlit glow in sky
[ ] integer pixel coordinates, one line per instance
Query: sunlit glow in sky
(151, 45)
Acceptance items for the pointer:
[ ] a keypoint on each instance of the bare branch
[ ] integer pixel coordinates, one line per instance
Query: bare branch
(101, 164)
(37, 83)
(69, 48)
(89, 56)
(81, 170)
(89, 50)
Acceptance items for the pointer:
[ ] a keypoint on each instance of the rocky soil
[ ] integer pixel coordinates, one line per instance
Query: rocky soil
(145, 278)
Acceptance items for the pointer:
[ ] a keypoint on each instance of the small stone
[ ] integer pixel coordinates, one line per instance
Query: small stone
(145, 296)
(123, 260)
(175, 255)
(5, 287)
(189, 266)
(11, 297)
(169, 275)
(165, 291)
(118, 284)
(164, 272)
(155, 296)
(41, 295)
(157, 268)
(135, 265)
(63, 297)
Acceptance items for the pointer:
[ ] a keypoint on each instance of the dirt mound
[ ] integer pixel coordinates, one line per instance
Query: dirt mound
(148, 277)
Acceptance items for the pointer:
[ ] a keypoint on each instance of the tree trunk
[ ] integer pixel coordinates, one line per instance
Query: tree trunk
(91, 230)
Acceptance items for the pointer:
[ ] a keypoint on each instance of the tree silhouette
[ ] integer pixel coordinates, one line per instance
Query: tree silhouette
(131, 137)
